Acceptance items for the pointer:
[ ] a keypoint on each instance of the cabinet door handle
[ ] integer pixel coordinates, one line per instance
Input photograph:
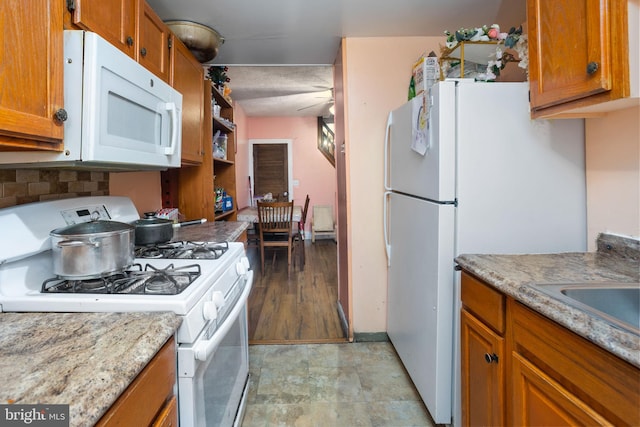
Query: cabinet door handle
(490, 358)
(592, 67)
(129, 41)
(61, 115)
(143, 52)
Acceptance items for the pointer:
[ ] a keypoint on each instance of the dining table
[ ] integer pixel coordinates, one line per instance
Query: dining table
(250, 214)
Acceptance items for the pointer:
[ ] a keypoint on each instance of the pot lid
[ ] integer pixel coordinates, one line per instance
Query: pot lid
(151, 219)
(92, 227)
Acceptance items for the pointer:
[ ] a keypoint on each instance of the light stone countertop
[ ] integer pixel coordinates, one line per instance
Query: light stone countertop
(83, 359)
(218, 231)
(616, 260)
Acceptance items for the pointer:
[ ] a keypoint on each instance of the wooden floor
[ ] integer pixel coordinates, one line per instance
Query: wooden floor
(299, 309)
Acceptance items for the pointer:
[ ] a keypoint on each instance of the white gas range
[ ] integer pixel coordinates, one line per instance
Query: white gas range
(208, 289)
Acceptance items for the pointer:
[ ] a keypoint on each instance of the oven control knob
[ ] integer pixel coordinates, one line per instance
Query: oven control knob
(245, 261)
(210, 310)
(241, 269)
(217, 298)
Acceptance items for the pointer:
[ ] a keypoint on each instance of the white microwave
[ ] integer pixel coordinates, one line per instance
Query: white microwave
(120, 116)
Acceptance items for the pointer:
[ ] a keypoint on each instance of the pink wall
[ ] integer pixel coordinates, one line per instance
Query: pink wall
(613, 174)
(371, 91)
(315, 175)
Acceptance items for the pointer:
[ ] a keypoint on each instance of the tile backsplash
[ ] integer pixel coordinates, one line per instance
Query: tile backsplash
(20, 186)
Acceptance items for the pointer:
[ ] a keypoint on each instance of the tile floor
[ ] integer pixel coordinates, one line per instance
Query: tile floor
(333, 385)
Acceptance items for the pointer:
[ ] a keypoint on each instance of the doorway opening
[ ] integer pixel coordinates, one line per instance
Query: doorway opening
(271, 176)
(302, 306)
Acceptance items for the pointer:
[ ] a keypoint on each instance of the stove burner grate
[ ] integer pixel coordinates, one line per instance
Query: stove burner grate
(183, 250)
(161, 281)
(156, 281)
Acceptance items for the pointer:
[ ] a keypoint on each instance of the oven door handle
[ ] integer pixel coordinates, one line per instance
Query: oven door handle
(203, 349)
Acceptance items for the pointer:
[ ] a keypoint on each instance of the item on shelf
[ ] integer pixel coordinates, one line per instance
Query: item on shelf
(220, 145)
(218, 75)
(220, 194)
(425, 73)
(412, 89)
(226, 92)
(201, 40)
(467, 70)
(227, 203)
(482, 48)
(169, 213)
(226, 122)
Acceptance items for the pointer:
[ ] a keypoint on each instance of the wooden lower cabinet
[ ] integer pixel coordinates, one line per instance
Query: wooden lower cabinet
(483, 361)
(149, 400)
(558, 371)
(542, 373)
(538, 400)
(482, 354)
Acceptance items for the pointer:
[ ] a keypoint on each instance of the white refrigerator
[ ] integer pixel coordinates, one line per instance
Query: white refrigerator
(478, 176)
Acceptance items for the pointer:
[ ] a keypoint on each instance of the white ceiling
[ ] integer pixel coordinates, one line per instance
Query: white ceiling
(272, 47)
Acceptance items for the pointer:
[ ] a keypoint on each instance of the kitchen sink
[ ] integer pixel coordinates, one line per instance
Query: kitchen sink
(615, 302)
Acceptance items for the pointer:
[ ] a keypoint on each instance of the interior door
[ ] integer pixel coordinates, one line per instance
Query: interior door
(270, 170)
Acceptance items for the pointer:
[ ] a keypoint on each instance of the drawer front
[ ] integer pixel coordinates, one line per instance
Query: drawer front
(486, 303)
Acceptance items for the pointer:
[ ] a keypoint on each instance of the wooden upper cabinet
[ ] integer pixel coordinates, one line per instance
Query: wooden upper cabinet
(187, 77)
(578, 53)
(31, 81)
(153, 42)
(130, 25)
(114, 20)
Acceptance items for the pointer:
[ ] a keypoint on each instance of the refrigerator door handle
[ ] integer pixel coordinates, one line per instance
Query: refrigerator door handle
(387, 173)
(385, 210)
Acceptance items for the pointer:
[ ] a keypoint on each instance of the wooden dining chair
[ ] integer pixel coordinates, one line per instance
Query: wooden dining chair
(275, 220)
(298, 233)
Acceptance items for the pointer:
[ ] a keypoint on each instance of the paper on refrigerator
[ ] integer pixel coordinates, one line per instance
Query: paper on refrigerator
(420, 125)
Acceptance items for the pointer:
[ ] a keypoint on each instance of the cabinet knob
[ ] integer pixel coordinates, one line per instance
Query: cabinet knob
(490, 358)
(61, 115)
(592, 67)
(143, 52)
(129, 41)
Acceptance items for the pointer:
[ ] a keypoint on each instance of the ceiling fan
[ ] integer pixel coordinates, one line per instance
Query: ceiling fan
(326, 100)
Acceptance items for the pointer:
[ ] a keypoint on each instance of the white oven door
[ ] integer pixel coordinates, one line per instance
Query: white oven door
(213, 373)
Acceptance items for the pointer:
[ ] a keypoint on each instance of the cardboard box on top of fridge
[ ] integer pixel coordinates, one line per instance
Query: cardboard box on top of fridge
(426, 72)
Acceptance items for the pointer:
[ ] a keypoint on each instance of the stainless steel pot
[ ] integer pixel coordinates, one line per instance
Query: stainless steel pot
(92, 249)
(152, 230)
